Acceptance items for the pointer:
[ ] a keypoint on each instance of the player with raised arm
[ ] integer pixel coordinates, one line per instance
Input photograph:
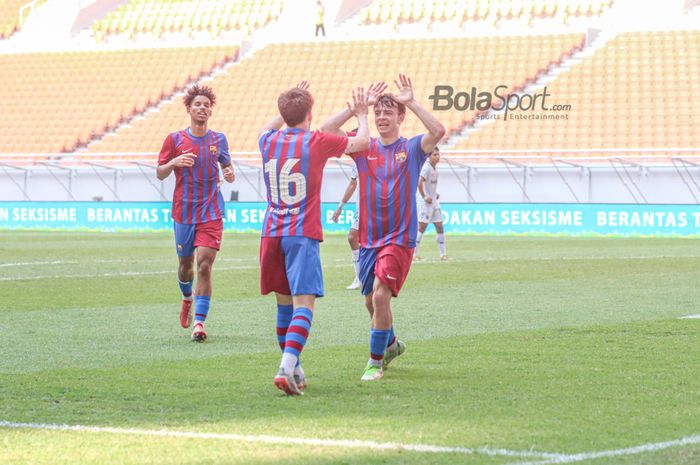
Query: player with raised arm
(388, 174)
(290, 263)
(195, 154)
(429, 204)
(354, 233)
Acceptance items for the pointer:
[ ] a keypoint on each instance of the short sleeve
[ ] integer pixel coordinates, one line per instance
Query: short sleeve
(330, 145)
(413, 146)
(224, 156)
(167, 152)
(264, 136)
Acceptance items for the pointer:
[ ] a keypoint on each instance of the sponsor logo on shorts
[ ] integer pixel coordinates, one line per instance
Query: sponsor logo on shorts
(179, 247)
(388, 276)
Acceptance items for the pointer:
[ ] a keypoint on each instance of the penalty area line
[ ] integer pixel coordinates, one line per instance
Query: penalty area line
(340, 443)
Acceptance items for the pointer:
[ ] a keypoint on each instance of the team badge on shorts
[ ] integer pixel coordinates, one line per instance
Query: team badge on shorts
(400, 156)
(179, 247)
(213, 150)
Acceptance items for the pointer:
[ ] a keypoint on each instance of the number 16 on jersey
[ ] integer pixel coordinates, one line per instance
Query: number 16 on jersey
(282, 185)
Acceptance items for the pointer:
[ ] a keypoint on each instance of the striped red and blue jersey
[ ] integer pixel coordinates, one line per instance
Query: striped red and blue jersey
(388, 177)
(293, 162)
(197, 198)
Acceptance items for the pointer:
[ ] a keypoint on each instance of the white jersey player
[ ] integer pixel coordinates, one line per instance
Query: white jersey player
(429, 204)
(353, 234)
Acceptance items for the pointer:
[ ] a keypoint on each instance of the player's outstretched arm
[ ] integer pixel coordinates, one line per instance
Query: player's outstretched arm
(277, 122)
(436, 131)
(335, 122)
(359, 141)
(352, 185)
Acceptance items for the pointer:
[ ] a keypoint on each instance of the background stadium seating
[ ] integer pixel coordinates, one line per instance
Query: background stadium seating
(247, 92)
(66, 98)
(637, 91)
(158, 17)
(435, 11)
(9, 16)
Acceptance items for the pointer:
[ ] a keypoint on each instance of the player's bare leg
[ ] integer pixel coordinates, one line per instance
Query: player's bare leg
(421, 229)
(354, 241)
(205, 261)
(442, 247)
(185, 274)
(369, 305)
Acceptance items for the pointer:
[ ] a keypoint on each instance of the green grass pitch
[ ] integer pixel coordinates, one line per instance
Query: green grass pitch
(517, 345)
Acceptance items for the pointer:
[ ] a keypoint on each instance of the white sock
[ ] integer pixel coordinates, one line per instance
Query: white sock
(376, 363)
(356, 262)
(299, 371)
(418, 238)
(289, 361)
(441, 244)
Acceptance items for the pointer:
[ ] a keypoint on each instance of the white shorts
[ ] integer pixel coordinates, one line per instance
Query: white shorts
(356, 223)
(430, 213)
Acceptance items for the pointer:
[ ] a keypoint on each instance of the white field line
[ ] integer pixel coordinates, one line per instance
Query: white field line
(342, 443)
(347, 263)
(690, 317)
(650, 447)
(54, 262)
(173, 270)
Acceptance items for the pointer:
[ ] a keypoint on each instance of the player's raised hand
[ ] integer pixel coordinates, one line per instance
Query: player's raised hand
(405, 87)
(374, 92)
(186, 160)
(229, 175)
(359, 104)
(304, 85)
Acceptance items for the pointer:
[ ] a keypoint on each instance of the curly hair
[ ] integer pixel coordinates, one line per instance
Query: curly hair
(195, 91)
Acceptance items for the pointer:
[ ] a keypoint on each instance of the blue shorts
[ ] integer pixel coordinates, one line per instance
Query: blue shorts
(389, 263)
(290, 266)
(184, 239)
(190, 236)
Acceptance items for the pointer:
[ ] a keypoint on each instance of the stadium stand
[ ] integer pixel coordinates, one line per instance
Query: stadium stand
(637, 91)
(64, 99)
(158, 17)
(9, 16)
(435, 11)
(247, 92)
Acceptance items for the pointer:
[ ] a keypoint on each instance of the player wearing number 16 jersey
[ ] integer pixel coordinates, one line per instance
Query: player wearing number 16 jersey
(290, 264)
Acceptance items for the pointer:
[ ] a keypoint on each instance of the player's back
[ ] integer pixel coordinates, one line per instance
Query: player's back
(293, 162)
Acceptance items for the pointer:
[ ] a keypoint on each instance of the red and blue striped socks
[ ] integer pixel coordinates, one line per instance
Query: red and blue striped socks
(297, 334)
(284, 317)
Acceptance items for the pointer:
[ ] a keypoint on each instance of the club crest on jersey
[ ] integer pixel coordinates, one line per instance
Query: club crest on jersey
(213, 150)
(400, 156)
